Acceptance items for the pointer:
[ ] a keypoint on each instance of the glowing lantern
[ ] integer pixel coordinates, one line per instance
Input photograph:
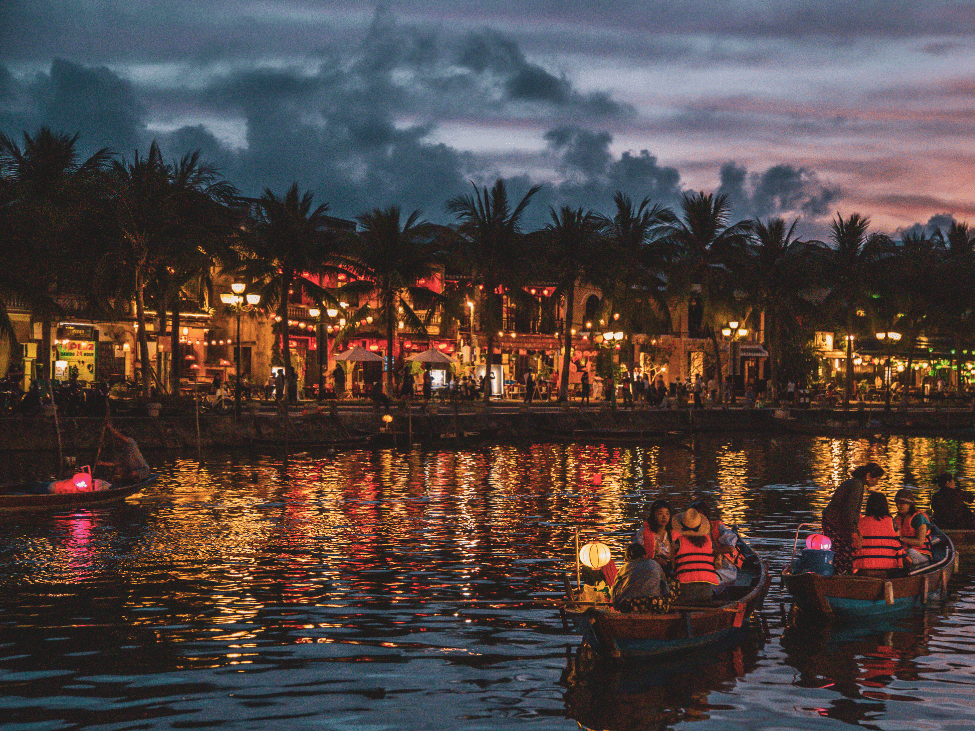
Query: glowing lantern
(594, 555)
(387, 418)
(82, 480)
(819, 542)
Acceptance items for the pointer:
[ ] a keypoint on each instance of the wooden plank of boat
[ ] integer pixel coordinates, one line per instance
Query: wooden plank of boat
(32, 500)
(853, 597)
(616, 635)
(963, 540)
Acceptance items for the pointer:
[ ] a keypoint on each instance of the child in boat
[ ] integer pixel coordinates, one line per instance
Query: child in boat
(654, 534)
(881, 549)
(640, 586)
(913, 526)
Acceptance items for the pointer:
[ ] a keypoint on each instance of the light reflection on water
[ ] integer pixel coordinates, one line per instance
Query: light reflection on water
(355, 591)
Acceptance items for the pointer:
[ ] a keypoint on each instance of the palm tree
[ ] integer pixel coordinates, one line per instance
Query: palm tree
(775, 272)
(167, 216)
(847, 264)
(50, 204)
(572, 249)
(638, 255)
(707, 245)
(391, 256)
(490, 242)
(293, 244)
(955, 288)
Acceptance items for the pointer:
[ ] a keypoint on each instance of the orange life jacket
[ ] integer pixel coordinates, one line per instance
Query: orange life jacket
(881, 547)
(649, 540)
(736, 557)
(906, 530)
(692, 563)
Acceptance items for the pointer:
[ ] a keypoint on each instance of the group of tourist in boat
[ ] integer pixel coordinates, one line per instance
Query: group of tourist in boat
(872, 541)
(687, 557)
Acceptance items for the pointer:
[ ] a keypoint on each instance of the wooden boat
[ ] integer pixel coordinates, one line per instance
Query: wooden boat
(851, 597)
(963, 540)
(35, 496)
(615, 635)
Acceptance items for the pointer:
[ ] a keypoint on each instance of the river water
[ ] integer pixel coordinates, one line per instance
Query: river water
(385, 589)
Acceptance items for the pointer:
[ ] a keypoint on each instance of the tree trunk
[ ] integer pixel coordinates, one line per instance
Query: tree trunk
(286, 277)
(567, 343)
(145, 368)
(175, 370)
(717, 361)
(491, 330)
(390, 331)
(848, 390)
(45, 355)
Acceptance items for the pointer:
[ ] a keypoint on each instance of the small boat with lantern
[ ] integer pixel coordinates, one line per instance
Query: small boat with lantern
(79, 490)
(615, 635)
(816, 590)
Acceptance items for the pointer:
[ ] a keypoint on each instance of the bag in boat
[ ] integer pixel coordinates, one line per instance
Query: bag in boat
(814, 561)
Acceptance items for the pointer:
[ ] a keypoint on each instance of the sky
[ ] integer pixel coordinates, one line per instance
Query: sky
(793, 108)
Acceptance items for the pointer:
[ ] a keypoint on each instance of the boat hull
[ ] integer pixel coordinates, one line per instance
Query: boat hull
(18, 501)
(849, 598)
(615, 635)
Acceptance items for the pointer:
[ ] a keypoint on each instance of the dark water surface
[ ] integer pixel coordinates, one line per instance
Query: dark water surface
(350, 591)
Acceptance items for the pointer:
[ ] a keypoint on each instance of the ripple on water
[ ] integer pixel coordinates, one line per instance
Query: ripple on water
(385, 589)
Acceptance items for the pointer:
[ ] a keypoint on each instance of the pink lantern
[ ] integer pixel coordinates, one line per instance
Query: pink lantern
(819, 542)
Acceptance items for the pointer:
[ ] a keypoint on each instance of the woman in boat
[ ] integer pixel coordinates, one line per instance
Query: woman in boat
(880, 548)
(640, 586)
(728, 558)
(842, 515)
(949, 510)
(913, 527)
(654, 534)
(693, 555)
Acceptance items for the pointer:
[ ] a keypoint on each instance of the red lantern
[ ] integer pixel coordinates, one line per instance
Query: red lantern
(819, 542)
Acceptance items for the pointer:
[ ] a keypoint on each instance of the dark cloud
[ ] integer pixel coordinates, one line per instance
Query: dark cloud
(782, 190)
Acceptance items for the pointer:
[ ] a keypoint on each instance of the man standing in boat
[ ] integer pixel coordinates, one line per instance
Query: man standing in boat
(948, 505)
(122, 462)
(841, 518)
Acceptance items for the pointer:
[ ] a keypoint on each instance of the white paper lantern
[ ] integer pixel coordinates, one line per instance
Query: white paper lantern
(594, 555)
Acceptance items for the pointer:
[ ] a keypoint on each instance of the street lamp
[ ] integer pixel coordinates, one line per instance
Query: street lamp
(239, 302)
(891, 338)
(733, 332)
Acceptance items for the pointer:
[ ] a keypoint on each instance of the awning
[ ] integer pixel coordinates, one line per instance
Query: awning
(753, 351)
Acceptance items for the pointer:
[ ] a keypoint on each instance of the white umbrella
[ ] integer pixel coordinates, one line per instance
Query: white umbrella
(360, 354)
(431, 356)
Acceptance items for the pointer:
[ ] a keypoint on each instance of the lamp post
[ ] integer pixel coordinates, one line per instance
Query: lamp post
(890, 338)
(734, 332)
(239, 302)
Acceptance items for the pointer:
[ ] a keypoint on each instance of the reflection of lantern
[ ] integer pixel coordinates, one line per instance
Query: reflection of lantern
(594, 555)
(819, 542)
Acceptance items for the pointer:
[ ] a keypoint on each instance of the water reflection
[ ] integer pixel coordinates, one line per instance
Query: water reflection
(401, 589)
(658, 694)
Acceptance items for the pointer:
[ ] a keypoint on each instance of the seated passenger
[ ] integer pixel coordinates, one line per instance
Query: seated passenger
(948, 505)
(913, 527)
(694, 555)
(640, 585)
(728, 558)
(880, 548)
(654, 534)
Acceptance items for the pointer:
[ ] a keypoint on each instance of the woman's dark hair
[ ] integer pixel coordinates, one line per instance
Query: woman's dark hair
(877, 506)
(635, 551)
(651, 514)
(870, 469)
(943, 479)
